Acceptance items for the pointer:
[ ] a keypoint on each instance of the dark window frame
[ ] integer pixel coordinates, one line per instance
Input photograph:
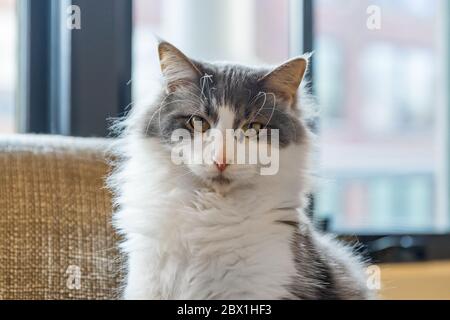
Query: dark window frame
(59, 93)
(107, 40)
(34, 69)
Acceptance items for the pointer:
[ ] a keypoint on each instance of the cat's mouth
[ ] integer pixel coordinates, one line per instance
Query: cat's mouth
(221, 180)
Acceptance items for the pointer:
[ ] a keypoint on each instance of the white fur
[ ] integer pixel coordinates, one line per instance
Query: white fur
(185, 240)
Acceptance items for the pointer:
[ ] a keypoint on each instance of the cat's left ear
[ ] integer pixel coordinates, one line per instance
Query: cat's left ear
(286, 79)
(178, 70)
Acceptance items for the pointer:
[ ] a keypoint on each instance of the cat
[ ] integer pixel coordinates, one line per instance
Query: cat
(219, 230)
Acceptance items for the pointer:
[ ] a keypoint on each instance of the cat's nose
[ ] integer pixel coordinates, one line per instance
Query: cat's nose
(220, 157)
(221, 166)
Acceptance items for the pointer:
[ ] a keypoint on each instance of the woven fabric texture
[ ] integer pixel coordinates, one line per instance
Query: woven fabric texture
(56, 239)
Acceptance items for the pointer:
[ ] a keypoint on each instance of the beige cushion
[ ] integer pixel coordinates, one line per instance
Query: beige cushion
(56, 239)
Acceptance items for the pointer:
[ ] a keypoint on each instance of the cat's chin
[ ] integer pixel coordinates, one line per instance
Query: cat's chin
(220, 184)
(224, 185)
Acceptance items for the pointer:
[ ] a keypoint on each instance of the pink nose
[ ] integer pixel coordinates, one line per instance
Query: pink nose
(221, 166)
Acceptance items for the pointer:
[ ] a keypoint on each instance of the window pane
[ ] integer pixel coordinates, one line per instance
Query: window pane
(251, 31)
(8, 64)
(382, 94)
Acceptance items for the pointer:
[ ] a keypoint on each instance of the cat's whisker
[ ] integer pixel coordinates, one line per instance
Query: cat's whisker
(255, 98)
(273, 108)
(165, 105)
(151, 118)
(265, 100)
(204, 83)
(262, 106)
(159, 112)
(186, 173)
(192, 94)
(288, 116)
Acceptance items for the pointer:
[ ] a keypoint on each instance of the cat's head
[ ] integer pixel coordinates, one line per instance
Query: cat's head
(206, 99)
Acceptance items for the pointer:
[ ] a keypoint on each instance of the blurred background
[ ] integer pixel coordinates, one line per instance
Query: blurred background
(383, 91)
(381, 95)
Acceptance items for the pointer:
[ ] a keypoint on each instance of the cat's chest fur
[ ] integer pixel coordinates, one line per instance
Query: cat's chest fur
(196, 244)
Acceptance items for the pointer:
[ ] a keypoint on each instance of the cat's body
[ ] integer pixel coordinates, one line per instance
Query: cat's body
(189, 235)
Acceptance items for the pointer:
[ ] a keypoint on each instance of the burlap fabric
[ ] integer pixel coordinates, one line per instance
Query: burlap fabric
(56, 240)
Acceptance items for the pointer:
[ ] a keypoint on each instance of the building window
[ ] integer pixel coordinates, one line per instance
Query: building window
(8, 63)
(382, 94)
(251, 31)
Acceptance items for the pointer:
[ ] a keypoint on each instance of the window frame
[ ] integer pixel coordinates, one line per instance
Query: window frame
(59, 93)
(109, 46)
(33, 75)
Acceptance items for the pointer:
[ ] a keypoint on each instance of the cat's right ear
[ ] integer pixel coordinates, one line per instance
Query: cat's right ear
(286, 79)
(177, 69)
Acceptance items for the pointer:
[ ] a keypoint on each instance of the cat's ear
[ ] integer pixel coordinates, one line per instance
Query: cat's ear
(176, 68)
(286, 78)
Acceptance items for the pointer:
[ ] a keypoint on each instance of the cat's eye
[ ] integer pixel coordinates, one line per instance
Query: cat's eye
(199, 124)
(253, 128)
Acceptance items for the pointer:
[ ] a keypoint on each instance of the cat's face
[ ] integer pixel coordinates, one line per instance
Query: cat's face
(208, 101)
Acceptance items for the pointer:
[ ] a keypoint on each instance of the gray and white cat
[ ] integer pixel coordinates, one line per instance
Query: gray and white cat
(218, 230)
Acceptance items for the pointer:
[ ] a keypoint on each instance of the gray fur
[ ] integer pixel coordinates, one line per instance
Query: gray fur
(326, 269)
(231, 85)
(324, 274)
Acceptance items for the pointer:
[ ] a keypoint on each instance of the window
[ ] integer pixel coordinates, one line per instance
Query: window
(252, 31)
(383, 93)
(383, 129)
(75, 65)
(8, 39)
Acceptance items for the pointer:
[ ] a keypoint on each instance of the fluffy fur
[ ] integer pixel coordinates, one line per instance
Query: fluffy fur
(187, 236)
